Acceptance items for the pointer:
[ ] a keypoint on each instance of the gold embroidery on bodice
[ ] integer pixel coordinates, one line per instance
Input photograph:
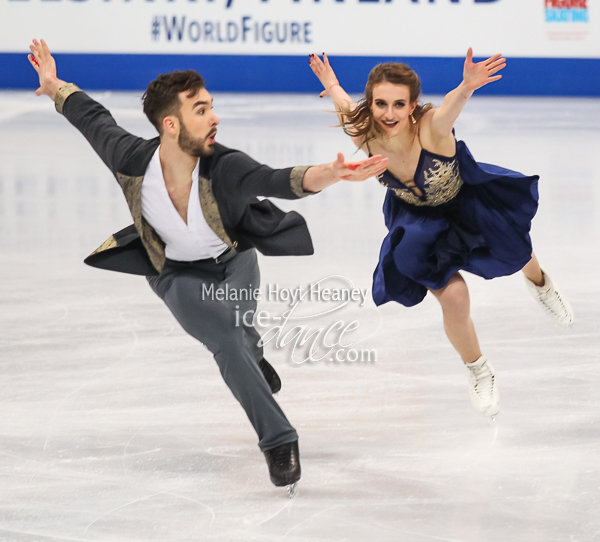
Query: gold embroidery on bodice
(442, 182)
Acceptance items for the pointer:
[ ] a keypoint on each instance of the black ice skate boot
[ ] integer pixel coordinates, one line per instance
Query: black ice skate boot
(270, 375)
(284, 466)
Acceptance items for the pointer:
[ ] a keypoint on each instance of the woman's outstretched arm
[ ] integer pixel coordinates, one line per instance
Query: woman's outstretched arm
(342, 101)
(475, 76)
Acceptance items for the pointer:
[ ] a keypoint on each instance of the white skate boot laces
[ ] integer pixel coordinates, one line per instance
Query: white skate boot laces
(554, 303)
(482, 387)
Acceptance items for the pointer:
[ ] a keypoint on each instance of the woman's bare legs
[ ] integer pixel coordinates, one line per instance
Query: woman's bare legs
(533, 271)
(456, 307)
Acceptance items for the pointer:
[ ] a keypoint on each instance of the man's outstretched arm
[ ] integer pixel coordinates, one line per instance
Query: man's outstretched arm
(247, 177)
(113, 144)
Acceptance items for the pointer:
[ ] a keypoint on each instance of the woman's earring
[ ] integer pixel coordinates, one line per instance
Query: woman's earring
(412, 119)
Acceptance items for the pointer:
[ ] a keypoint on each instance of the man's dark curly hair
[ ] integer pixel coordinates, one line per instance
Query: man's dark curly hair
(160, 99)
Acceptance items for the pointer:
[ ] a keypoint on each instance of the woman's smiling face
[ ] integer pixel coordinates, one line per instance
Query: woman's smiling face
(391, 107)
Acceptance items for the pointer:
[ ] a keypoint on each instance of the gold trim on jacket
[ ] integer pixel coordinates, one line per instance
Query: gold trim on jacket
(63, 93)
(210, 210)
(296, 178)
(154, 245)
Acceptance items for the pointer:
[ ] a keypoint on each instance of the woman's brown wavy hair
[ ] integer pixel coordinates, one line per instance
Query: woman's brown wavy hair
(360, 122)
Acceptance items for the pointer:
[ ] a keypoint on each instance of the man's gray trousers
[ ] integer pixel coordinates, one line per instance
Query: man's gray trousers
(185, 288)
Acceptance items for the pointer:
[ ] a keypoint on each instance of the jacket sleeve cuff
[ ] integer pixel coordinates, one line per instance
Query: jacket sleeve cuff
(296, 178)
(63, 93)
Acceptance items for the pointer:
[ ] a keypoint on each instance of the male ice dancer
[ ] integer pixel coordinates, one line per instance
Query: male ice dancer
(197, 223)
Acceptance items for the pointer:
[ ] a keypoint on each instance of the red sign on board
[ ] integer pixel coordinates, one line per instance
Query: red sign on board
(566, 4)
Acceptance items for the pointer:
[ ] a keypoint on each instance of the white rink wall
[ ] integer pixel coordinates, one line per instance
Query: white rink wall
(264, 42)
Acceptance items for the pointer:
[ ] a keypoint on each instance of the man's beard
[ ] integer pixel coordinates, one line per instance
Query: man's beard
(194, 146)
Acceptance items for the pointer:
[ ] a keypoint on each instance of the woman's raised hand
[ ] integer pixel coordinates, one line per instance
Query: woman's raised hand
(477, 75)
(323, 70)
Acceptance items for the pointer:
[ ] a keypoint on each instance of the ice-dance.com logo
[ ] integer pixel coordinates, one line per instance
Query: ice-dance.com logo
(318, 323)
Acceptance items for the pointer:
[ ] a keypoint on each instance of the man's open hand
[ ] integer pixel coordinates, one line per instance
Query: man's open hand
(45, 66)
(359, 171)
(318, 178)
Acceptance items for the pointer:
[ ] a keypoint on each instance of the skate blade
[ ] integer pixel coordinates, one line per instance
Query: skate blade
(292, 489)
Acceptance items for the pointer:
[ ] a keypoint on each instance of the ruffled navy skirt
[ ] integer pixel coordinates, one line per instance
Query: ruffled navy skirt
(484, 230)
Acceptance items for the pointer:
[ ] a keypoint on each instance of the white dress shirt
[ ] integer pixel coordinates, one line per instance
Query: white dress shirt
(184, 242)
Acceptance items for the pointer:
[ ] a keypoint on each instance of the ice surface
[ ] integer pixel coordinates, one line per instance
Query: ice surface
(116, 426)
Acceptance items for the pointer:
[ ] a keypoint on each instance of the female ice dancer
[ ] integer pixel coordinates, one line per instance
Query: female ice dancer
(444, 211)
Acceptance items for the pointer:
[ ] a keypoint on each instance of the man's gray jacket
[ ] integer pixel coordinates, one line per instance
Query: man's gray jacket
(229, 184)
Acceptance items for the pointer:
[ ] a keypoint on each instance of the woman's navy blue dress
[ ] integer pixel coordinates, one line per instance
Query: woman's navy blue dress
(468, 215)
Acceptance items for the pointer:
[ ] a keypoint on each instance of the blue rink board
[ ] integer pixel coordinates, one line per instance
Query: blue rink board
(254, 73)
